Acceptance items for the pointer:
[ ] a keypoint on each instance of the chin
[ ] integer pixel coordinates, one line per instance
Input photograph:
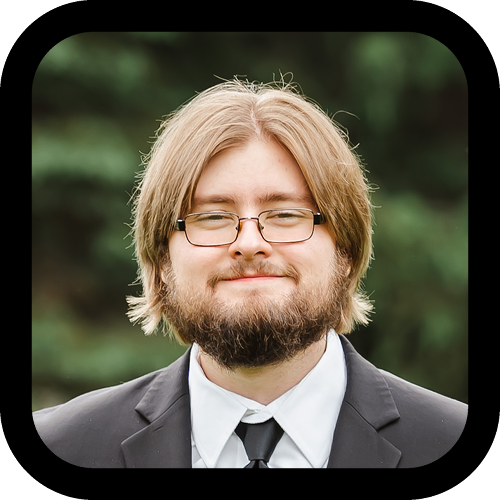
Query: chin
(250, 287)
(250, 293)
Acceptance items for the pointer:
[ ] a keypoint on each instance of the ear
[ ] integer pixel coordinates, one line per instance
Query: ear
(165, 264)
(344, 262)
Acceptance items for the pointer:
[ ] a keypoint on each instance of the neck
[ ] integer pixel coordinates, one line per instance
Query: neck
(267, 383)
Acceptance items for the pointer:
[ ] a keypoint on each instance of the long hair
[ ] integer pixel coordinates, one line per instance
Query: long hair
(230, 114)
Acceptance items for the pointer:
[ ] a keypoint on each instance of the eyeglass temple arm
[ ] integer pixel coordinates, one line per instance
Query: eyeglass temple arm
(180, 225)
(319, 219)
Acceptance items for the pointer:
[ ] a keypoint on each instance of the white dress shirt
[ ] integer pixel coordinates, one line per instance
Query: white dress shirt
(307, 413)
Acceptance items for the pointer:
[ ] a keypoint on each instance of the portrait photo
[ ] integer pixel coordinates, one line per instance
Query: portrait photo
(250, 250)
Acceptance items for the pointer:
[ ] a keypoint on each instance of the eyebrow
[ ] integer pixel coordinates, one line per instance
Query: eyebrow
(268, 198)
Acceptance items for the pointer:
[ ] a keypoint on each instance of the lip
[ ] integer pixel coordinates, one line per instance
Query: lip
(255, 278)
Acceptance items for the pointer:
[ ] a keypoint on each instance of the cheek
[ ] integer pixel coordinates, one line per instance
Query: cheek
(314, 261)
(191, 265)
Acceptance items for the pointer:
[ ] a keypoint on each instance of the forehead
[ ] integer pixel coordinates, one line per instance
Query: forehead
(258, 172)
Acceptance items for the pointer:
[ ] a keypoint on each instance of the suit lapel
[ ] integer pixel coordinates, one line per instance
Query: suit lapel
(166, 441)
(367, 407)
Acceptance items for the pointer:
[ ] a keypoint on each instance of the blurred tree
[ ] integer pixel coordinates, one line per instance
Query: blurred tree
(99, 97)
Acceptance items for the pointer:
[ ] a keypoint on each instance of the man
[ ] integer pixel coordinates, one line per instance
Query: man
(252, 232)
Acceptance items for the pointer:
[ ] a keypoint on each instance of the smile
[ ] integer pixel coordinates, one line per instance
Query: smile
(254, 279)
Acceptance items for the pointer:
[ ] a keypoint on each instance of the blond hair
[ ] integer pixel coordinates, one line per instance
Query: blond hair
(230, 114)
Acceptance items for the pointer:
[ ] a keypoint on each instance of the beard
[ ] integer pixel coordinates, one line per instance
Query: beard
(257, 331)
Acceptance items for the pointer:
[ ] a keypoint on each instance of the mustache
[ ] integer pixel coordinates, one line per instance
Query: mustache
(241, 270)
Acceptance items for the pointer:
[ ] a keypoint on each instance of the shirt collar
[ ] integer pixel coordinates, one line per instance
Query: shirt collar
(310, 413)
(214, 413)
(307, 413)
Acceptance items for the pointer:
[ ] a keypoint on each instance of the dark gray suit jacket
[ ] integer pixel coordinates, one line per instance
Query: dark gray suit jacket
(384, 422)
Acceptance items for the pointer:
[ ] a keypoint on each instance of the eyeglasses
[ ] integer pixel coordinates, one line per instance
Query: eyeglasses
(212, 229)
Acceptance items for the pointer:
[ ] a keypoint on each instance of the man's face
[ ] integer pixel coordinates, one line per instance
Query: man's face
(251, 277)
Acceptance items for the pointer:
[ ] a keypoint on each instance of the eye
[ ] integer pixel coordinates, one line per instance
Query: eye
(210, 220)
(212, 217)
(284, 217)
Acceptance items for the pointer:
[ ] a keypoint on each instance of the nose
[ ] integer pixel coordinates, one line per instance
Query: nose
(250, 242)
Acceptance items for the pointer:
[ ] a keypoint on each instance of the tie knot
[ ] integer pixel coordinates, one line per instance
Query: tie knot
(260, 440)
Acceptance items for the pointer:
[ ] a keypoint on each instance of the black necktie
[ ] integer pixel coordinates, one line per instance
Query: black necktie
(260, 441)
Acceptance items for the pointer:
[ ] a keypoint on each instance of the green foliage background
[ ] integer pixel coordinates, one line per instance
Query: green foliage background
(99, 97)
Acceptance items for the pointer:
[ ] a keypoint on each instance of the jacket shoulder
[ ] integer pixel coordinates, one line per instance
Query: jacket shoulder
(430, 424)
(88, 430)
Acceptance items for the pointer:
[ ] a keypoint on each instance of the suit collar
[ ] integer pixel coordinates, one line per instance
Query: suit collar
(166, 441)
(367, 407)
